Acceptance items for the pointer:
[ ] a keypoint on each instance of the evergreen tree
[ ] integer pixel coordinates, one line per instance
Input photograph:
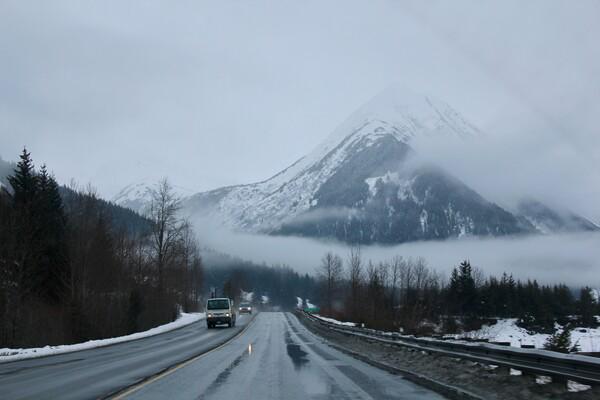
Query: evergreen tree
(24, 181)
(463, 294)
(560, 341)
(586, 306)
(53, 267)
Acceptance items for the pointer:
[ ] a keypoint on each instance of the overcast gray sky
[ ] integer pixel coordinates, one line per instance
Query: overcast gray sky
(224, 92)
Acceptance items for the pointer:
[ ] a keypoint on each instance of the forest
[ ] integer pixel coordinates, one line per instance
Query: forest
(74, 267)
(407, 295)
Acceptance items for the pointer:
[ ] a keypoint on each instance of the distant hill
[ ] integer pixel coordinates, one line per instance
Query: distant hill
(122, 218)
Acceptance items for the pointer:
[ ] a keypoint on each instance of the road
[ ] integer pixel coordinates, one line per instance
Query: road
(277, 358)
(96, 373)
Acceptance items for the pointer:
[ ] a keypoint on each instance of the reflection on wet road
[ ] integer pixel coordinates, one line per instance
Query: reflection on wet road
(278, 358)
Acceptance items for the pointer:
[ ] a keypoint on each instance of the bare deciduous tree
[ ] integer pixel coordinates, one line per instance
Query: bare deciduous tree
(330, 273)
(166, 226)
(355, 282)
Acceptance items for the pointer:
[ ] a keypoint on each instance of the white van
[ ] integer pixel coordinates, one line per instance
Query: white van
(220, 311)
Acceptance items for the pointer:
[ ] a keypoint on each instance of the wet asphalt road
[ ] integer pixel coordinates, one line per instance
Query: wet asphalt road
(96, 373)
(278, 358)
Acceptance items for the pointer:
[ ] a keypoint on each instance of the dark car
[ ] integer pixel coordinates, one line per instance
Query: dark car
(245, 308)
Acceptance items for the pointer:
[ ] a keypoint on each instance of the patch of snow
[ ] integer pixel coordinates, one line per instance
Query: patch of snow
(299, 302)
(247, 296)
(543, 380)
(184, 319)
(423, 218)
(515, 372)
(596, 295)
(264, 299)
(309, 304)
(389, 177)
(334, 321)
(539, 225)
(577, 387)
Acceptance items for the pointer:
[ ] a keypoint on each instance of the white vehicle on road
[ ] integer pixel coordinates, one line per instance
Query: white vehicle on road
(220, 311)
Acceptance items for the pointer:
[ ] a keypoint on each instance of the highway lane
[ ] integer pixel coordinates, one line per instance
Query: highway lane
(96, 373)
(278, 358)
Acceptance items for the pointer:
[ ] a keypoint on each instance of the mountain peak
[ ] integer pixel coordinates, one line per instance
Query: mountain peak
(409, 114)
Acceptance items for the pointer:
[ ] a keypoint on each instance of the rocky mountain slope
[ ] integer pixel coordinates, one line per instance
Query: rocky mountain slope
(364, 184)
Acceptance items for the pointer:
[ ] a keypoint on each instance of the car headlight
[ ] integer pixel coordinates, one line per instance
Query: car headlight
(227, 314)
(209, 315)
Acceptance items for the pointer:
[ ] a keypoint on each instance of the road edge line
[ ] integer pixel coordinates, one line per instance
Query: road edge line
(35, 357)
(129, 390)
(444, 389)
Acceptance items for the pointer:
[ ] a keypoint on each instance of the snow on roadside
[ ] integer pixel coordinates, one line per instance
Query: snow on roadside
(247, 296)
(21, 354)
(334, 321)
(506, 330)
(309, 304)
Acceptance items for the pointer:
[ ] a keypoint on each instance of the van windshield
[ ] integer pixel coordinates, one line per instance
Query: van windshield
(218, 304)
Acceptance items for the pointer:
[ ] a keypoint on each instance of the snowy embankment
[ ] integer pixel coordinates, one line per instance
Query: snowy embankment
(334, 321)
(506, 330)
(21, 354)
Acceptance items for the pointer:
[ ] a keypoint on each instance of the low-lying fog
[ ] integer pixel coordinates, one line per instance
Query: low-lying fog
(573, 259)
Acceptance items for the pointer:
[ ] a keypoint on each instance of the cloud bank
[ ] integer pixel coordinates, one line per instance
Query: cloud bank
(570, 258)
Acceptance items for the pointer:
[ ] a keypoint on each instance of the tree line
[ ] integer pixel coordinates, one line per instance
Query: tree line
(74, 267)
(406, 294)
(280, 283)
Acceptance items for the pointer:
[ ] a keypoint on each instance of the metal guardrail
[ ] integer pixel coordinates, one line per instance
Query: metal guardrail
(560, 367)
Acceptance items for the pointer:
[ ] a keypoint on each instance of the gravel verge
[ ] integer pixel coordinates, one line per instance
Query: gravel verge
(454, 378)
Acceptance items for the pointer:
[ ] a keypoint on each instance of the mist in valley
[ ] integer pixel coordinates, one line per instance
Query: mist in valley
(567, 258)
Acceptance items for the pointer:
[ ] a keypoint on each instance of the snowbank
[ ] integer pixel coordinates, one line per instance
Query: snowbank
(506, 330)
(334, 321)
(20, 354)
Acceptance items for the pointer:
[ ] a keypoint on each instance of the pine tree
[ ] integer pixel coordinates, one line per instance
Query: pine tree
(53, 268)
(560, 341)
(586, 306)
(24, 181)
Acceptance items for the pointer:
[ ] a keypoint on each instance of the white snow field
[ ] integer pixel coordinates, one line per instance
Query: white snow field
(184, 319)
(506, 330)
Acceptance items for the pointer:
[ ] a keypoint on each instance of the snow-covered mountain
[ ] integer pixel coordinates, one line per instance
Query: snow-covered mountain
(548, 220)
(137, 196)
(362, 184)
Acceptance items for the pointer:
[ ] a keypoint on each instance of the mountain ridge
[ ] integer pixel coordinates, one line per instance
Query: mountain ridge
(361, 184)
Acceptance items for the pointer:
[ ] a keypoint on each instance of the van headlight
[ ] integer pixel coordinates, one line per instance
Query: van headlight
(227, 314)
(209, 315)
